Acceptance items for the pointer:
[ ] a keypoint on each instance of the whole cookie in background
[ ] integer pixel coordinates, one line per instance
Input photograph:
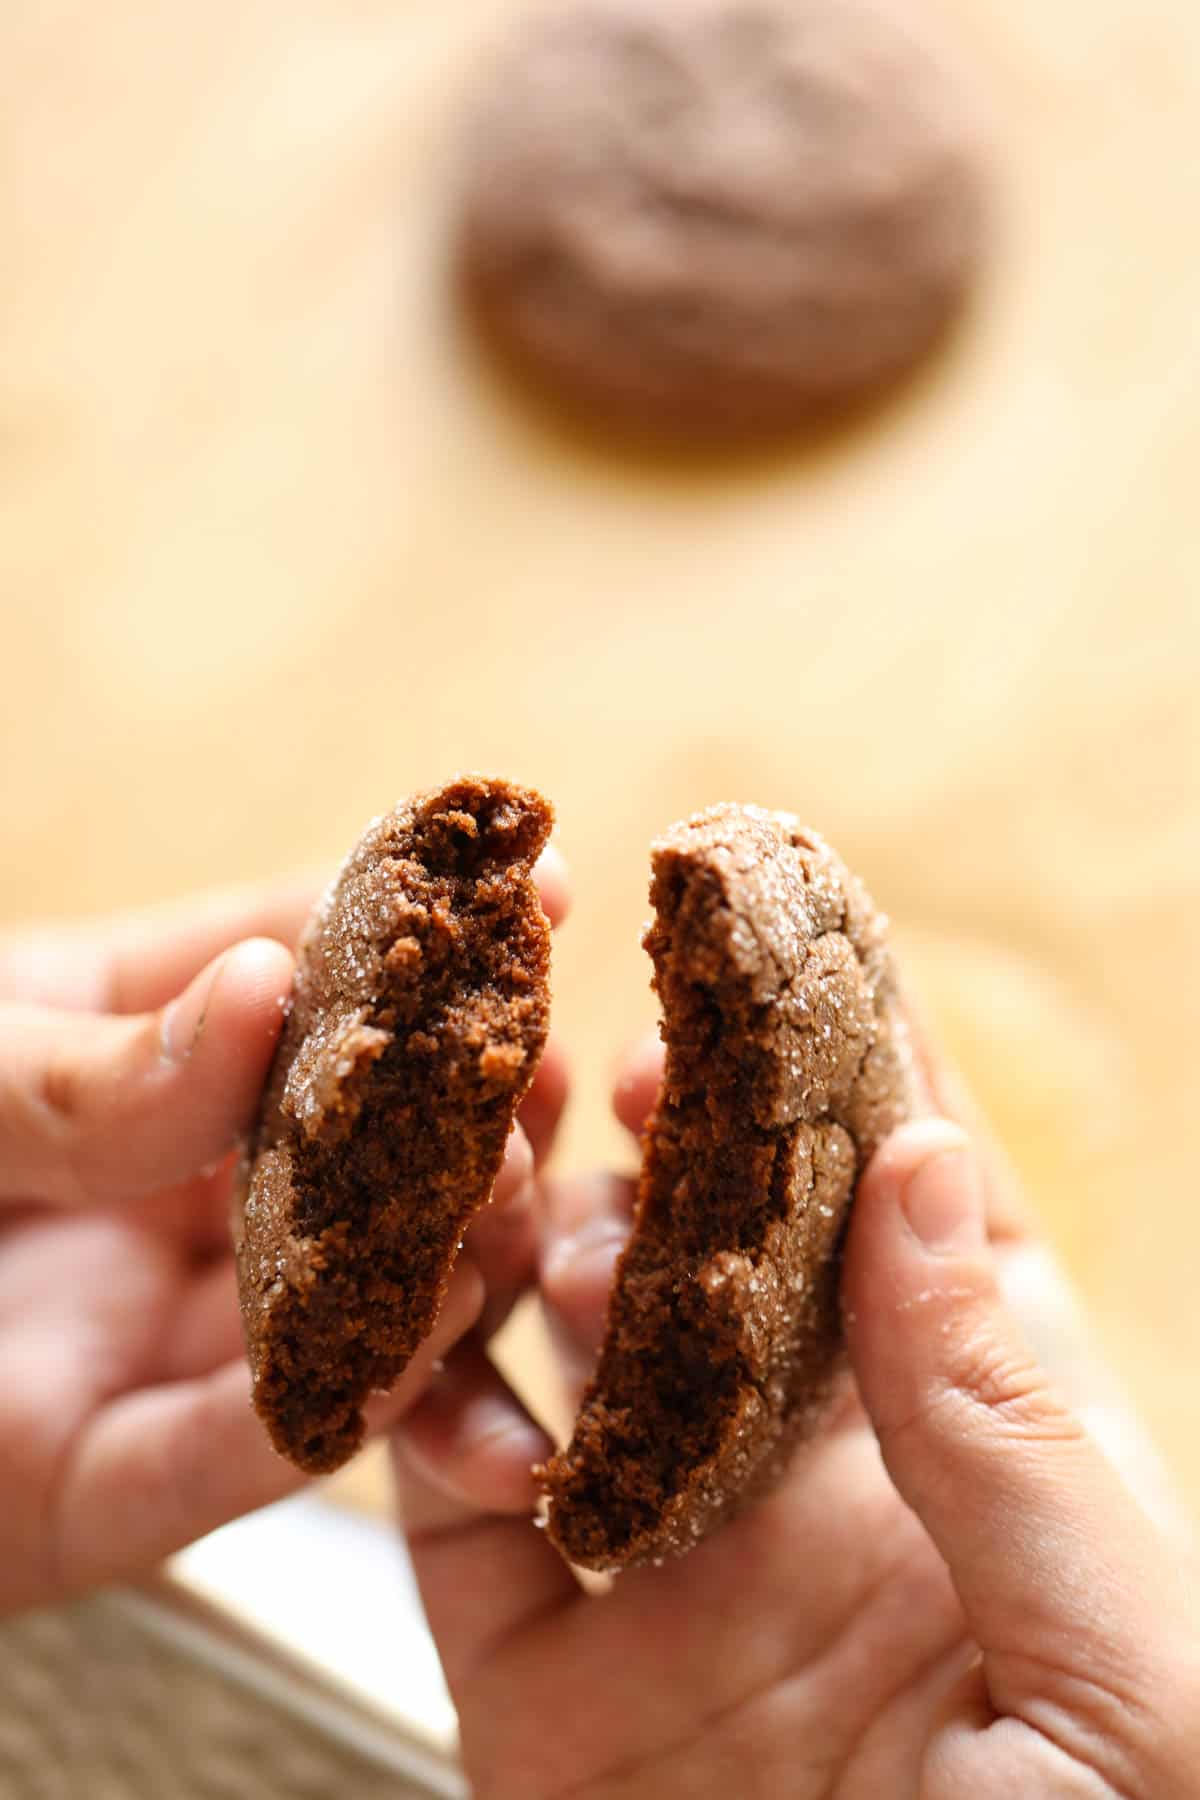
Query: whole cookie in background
(418, 1015)
(710, 218)
(787, 1064)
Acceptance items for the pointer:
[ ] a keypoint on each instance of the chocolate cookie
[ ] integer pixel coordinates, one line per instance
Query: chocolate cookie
(418, 1015)
(787, 1063)
(715, 217)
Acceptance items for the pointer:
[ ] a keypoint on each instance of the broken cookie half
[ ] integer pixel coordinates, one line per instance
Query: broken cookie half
(418, 1016)
(787, 1063)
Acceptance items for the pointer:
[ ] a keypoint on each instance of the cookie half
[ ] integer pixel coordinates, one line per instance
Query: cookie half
(787, 1063)
(418, 1015)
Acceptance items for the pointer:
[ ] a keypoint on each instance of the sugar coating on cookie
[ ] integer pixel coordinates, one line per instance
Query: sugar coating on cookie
(418, 1015)
(718, 217)
(787, 1063)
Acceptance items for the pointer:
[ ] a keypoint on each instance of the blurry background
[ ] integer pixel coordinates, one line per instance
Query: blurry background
(275, 548)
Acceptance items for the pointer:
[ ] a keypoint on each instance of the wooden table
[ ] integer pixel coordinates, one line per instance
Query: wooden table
(275, 548)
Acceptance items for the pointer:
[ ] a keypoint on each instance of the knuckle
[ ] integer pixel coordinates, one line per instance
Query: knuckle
(56, 1110)
(1178, 1710)
(1001, 1379)
(59, 1092)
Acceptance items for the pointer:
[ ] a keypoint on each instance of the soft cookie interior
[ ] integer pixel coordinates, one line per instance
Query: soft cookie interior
(419, 1014)
(785, 1063)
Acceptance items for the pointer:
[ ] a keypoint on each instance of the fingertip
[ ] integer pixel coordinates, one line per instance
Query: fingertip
(253, 982)
(584, 1261)
(910, 1145)
(465, 1298)
(220, 1036)
(244, 990)
(639, 1076)
(587, 1226)
(576, 1281)
(571, 1201)
(472, 1440)
(884, 1251)
(553, 882)
(542, 1109)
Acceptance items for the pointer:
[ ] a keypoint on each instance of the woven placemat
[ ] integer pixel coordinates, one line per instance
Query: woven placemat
(95, 1706)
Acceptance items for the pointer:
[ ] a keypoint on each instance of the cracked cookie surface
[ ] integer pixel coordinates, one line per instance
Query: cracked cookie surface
(418, 1014)
(787, 1063)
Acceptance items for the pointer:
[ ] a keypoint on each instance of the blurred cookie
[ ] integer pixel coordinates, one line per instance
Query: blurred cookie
(787, 1063)
(715, 217)
(418, 1015)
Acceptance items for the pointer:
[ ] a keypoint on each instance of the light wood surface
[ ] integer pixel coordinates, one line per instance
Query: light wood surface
(275, 548)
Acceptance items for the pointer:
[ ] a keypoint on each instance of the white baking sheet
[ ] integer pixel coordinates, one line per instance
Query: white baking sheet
(332, 1590)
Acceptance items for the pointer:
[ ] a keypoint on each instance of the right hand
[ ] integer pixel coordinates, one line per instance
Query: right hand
(953, 1593)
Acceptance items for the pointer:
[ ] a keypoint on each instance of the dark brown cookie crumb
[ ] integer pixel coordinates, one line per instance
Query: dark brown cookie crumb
(787, 1063)
(705, 219)
(418, 1015)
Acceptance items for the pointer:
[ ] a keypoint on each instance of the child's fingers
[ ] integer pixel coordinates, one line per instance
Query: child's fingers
(136, 961)
(205, 1329)
(466, 1496)
(553, 883)
(571, 1204)
(133, 962)
(541, 1111)
(1007, 1211)
(99, 1110)
(1079, 1619)
(587, 1220)
(473, 1441)
(157, 1468)
(638, 1076)
(502, 1238)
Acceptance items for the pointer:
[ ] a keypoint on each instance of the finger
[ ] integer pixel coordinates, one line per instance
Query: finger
(1048, 1312)
(501, 1239)
(100, 1110)
(473, 1440)
(541, 1111)
(136, 961)
(637, 1084)
(640, 1075)
(1062, 1578)
(1008, 1215)
(465, 1493)
(550, 873)
(155, 1469)
(192, 1215)
(205, 1330)
(587, 1221)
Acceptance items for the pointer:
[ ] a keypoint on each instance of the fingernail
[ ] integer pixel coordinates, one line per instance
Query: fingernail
(183, 1020)
(588, 1253)
(943, 1200)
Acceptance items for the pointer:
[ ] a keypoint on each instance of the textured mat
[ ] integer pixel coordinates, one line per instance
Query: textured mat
(94, 1706)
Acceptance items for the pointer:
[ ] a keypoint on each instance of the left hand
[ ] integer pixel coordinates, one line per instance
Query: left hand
(132, 1056)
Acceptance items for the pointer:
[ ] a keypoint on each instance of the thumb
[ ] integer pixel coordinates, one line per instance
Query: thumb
(99, 1109)
(1070, 1594)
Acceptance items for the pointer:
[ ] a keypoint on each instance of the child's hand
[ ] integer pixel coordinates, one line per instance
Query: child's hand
(132, 1055)
(952, 1595)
